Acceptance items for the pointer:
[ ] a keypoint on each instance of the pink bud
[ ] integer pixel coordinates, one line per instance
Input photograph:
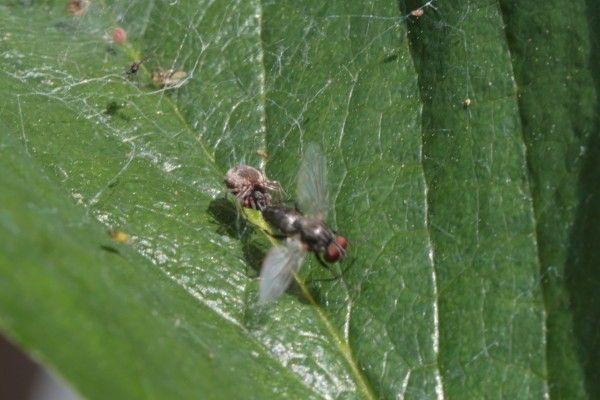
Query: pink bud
(119, 35)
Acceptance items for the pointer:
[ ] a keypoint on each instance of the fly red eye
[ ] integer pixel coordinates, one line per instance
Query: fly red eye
(332, 254)
(336, 251)
(341, 241)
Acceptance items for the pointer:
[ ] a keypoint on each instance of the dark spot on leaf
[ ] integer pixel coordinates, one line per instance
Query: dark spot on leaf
(390, 58)
(112, 108)
(110, 249)
(64, 26)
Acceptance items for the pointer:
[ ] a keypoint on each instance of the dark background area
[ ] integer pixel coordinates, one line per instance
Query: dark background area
(23, 378)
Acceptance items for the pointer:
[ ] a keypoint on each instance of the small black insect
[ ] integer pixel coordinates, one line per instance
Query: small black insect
(135, 67)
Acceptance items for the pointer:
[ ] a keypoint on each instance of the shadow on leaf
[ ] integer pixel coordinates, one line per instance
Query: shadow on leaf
(583, 263)
(231, 223)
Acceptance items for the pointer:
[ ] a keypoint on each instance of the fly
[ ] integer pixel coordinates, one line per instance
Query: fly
(304, 231)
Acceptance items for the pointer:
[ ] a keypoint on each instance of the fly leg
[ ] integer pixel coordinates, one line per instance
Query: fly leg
(335, 275)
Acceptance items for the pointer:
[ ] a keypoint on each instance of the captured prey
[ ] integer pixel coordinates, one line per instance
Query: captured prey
(304, 229)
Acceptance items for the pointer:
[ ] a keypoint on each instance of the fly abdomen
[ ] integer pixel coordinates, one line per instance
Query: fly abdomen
(283, 218)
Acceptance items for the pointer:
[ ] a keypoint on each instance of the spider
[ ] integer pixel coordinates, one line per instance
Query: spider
(251, 187)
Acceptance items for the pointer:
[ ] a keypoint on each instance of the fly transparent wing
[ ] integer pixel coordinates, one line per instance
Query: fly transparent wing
(278, 269)
(311, 190)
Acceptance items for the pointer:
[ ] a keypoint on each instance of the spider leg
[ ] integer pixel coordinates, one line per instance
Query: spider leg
(241, 194)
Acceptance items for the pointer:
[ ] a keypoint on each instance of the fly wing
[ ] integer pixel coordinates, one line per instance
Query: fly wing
(311, 190)
(278, 269)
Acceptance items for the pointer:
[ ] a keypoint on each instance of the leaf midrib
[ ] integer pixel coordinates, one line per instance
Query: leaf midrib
(340, 344)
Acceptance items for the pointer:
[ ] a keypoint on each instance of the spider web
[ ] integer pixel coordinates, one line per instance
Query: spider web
(260, 76)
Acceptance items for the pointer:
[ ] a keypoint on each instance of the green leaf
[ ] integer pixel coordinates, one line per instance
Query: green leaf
(472, 264)
(558, 72)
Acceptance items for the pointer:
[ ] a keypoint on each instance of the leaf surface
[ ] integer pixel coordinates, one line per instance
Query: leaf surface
(448, 289)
